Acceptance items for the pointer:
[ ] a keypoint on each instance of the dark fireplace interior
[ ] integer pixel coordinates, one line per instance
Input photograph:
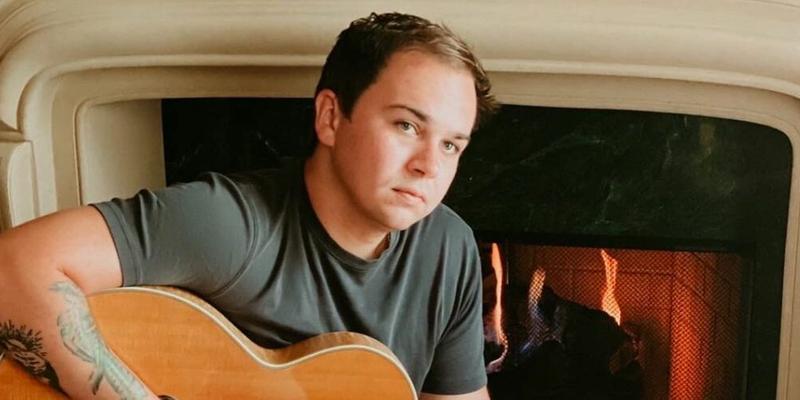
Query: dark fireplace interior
(614, 323)
(683, 216)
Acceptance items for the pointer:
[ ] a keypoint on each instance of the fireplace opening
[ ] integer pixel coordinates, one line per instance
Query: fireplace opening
(693, 209)
(614, 323)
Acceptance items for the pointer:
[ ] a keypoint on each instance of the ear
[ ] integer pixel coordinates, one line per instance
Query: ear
(328, 116)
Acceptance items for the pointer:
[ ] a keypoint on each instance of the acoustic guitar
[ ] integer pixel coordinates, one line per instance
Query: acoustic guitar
(182, 347)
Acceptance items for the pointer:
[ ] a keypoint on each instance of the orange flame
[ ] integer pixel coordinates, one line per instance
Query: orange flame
(497, 313)
(609, 302)
(535, 290)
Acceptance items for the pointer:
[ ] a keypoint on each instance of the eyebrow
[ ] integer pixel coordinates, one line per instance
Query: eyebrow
(424, 118)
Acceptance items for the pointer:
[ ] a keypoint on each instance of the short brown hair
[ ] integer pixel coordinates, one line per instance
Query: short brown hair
(364, 48)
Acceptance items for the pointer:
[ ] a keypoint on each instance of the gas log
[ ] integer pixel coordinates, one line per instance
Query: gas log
(553, 348)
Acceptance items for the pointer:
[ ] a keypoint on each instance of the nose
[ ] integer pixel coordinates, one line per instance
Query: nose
(425, 161)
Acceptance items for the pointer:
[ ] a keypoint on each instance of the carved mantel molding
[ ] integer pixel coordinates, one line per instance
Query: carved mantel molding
(81, 80)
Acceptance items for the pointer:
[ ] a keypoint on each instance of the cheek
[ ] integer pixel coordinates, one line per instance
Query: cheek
(388, 157)
(445, 178)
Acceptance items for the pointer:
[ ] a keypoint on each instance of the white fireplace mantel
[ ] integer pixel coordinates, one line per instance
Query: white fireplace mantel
(81, 80)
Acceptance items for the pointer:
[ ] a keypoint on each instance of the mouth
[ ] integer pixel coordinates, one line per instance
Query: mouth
(410, 194)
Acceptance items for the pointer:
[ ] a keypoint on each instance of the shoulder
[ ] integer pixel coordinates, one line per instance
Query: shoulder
(444, 222)
(443, 237)
(273, 181)
(264, 189)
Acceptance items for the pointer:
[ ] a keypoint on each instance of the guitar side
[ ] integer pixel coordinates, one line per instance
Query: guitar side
(181, 346)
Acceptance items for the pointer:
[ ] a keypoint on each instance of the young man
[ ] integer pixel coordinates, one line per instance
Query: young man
(354, 238)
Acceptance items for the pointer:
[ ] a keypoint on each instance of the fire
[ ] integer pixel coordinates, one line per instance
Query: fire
(609, 302)
(497, 313)
(535, 290)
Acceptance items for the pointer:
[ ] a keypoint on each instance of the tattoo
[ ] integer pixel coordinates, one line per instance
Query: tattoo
(79, 334)
(25, 346)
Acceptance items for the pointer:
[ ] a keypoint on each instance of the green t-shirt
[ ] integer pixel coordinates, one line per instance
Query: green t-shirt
(251, 245)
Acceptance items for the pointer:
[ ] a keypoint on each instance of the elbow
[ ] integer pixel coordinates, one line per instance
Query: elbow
(22, 263)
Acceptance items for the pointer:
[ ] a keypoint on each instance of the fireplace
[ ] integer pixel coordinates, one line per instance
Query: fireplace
(678, 219)
(82, 84)
(682, 324)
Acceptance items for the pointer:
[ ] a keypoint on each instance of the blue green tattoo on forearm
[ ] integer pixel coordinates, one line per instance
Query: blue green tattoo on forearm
(79, 334)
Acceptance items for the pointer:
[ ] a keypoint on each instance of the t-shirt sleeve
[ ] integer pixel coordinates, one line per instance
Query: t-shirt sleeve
(458, 366)
(194, 235)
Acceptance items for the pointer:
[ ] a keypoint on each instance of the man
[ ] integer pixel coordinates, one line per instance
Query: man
(354, 238)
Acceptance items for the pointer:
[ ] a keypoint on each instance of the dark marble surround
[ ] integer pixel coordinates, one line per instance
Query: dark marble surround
(568, 177)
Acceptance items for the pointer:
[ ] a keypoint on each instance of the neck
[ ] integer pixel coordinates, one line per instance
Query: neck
(351, 230)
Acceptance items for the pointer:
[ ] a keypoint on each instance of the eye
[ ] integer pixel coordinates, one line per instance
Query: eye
(451, 148)
(407, 127)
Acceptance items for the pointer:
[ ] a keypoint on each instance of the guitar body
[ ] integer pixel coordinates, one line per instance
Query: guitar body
(180, 346)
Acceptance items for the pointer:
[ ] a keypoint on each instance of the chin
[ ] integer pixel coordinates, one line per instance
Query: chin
(399, 225)
(404, 220)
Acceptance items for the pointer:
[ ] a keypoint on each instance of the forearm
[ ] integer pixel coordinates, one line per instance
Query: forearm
(46, 325)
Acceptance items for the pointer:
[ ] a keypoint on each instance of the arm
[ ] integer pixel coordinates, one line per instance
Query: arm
(480, 394)
(46, 266)
(458, 364)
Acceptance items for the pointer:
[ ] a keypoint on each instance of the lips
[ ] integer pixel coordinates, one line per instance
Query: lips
(410, 193)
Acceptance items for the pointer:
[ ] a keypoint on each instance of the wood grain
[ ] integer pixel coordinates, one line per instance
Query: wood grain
(181, 346)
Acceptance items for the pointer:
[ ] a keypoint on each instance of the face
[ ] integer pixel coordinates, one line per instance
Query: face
(397, 154)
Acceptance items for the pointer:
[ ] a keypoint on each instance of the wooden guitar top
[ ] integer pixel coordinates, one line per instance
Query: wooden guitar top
(181, 346)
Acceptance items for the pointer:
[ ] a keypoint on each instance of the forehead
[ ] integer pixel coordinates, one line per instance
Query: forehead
(428, 83)
(412, 66)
